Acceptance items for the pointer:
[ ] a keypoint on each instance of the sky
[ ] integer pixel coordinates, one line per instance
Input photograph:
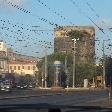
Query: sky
(27, 25)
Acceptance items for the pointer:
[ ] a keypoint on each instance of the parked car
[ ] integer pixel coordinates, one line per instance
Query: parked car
(21, 86)
(30, 85)
(5, 86)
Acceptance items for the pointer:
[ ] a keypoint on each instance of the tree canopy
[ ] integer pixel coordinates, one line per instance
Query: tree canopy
(83, 70)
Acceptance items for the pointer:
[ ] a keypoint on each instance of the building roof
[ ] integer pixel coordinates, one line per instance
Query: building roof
(78, 27)
(22, 62)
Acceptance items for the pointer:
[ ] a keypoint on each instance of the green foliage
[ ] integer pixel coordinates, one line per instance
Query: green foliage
(56, 56)
(75, 34)
(108, 70)
(83, 70)
(50, 59)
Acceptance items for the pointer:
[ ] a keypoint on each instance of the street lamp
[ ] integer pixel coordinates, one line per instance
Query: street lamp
(42, 80)
(46, 72)
(74, 76)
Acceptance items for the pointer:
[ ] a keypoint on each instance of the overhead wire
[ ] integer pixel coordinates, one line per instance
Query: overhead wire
(74, 3)
(14, 32)
(96, 14)
(53, 11)
(82, 12)
(15, 25)
(29, 12)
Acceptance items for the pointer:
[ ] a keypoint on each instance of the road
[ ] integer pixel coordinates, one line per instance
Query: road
(97, 97)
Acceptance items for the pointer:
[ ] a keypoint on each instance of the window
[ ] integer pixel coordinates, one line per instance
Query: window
(11, 67)
(22, 67)
(28, 67)
(33, 67)
(14, 67)
(18, 67)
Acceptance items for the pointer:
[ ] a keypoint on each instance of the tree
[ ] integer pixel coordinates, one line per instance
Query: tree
(51, 58)
(83, 70)
(108, 70)
(63, 78)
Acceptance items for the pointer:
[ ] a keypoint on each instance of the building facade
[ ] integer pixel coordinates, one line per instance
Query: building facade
(19, 57)
(23, 68)
(84, 49)
(3, 57)
(11, 62)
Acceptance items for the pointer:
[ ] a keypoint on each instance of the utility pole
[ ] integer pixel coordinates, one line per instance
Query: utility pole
(46, 72)
(66, 71)
(45, 65)
(74, 77)
(103, 64)
(46, 45)
(42, 80)
(65, 63)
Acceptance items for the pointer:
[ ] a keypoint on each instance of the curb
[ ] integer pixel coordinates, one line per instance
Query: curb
(27, 96)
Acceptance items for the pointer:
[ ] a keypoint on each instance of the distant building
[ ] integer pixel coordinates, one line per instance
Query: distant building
(85, 49)
(3, 57)
(9, 58)
(10, 53)
(3, 62)
(3, 46)
(19, 57)
(23, 68)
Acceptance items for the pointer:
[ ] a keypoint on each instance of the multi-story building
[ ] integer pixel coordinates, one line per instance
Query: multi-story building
(13, 62)
(23, 68)
(19, 57)
(10, 53)
(3, 57)
(85, 48)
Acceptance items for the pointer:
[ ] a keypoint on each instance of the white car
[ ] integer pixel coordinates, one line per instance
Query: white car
(5, 87)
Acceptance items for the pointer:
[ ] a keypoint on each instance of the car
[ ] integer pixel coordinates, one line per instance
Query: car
(30, 85)
(21, 86)
(4, 86)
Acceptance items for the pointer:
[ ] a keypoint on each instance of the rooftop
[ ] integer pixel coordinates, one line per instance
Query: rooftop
(22, 62)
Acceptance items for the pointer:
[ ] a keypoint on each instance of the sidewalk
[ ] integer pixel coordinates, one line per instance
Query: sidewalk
(104, 102)
(69, 89)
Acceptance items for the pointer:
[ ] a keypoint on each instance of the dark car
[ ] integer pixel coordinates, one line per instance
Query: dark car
(21, 86)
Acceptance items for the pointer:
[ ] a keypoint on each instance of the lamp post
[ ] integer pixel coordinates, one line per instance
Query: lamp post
(46, 45)
(42, 80)
(45, 67)
(74, 75)
(46, 72)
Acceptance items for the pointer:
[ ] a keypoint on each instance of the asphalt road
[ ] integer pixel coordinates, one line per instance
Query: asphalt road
(97, 97)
